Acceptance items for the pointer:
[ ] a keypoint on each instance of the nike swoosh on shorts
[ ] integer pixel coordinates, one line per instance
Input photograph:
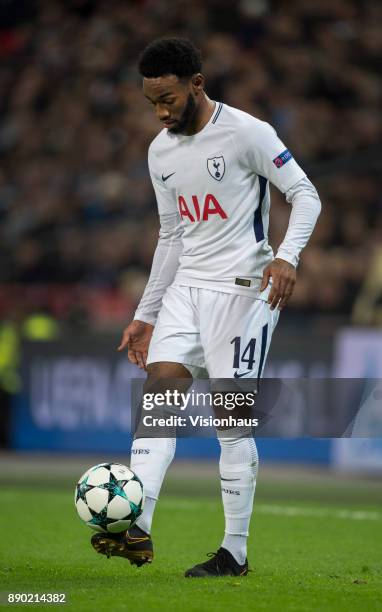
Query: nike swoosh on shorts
(236, 375)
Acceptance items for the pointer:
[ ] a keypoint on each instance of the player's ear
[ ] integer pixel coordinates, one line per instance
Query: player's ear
(197, 82)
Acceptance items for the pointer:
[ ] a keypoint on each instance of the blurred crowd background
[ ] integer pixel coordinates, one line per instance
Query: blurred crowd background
(78, 214)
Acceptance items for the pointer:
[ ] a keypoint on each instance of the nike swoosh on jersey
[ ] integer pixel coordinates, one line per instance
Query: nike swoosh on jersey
(236, 375)
(164, 178)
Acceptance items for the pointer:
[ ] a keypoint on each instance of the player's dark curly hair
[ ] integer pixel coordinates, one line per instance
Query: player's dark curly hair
(170, 56)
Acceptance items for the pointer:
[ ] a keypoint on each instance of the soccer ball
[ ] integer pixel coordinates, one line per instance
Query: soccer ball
(109, 497)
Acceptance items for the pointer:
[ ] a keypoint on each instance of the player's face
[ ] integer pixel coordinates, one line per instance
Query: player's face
(174, 100)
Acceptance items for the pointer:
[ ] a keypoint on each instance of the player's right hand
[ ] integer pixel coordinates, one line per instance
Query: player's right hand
(136, 338)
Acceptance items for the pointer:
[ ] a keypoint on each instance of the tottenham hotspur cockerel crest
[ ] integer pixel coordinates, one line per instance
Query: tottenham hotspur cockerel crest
(216, 167)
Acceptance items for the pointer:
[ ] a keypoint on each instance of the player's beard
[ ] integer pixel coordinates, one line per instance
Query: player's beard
(186, 118)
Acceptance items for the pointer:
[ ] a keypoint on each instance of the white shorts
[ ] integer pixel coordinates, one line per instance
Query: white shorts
(220, 335)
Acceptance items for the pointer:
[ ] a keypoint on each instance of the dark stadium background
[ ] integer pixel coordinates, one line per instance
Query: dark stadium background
(78, 215)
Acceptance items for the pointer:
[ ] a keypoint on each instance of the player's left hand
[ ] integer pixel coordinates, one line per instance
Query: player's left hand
(283, 276)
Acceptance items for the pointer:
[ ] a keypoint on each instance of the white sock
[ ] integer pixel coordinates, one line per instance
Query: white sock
(146, 518)
(150, 458)
(238, 470)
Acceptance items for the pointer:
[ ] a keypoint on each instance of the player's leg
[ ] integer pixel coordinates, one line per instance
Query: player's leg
(236, 341)
(175, 353)
(238, 470)
(238, 467)
(151, 457)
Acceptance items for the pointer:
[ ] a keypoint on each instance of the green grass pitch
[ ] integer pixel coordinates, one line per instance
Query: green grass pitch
(312, 547)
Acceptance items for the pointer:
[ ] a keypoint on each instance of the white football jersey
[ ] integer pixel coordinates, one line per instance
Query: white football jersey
(217, 182)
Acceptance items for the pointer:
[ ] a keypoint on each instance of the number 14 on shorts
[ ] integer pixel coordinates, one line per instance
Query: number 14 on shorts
(248, 355)
(244, 353)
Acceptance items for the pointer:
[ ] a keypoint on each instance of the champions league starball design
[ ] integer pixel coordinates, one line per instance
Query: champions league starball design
(109, 497)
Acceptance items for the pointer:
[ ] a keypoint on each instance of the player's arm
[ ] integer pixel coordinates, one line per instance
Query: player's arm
(306, 207)
(270, 158)
(137, 335)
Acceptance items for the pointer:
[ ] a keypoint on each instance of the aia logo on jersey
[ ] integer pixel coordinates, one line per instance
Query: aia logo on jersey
(216, 167)
(282, 159)
(197, 211)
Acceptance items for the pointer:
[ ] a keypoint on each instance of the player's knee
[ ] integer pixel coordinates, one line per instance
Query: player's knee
(163, 376)
(167, 369)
